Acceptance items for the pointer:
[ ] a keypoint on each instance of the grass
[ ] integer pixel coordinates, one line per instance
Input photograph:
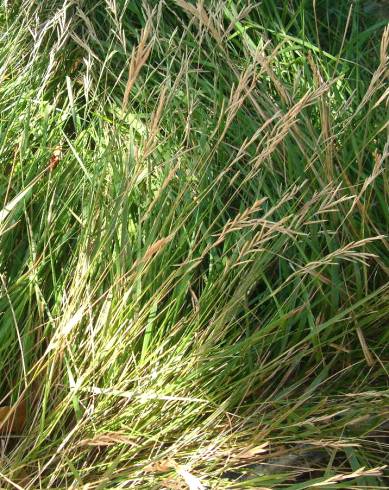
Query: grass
(193, 242)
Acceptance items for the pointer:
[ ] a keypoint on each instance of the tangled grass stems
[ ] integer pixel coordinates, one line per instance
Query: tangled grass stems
(193, 244)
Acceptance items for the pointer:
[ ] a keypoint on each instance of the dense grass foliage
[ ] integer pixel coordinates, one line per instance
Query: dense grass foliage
(193, 243)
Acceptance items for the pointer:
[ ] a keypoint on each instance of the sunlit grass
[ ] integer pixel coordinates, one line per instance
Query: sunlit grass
(193, 243)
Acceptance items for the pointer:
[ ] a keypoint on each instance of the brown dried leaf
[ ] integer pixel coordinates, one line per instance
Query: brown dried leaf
(107, 439)
(157, 247)
(162, 466)
(251, 452)
(172, 484)
(55, 158)
(13, 418)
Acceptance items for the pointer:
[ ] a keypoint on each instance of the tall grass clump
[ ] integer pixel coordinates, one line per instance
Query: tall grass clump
(193, 244)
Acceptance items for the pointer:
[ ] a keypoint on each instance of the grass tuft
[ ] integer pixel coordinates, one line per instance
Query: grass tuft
(193, 244)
